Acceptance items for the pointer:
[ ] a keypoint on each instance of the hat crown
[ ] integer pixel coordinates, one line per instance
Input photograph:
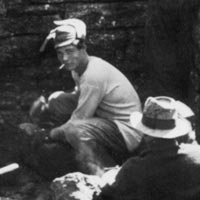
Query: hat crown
(78, 25)
(64, 33)
(160, 108)
(67, 32)
(162, 118)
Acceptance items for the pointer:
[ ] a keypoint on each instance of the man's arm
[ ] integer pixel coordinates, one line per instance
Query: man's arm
(89, 99)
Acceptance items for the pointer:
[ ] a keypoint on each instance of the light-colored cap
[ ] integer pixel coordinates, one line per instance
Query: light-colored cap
(162, 118)
(68, 31)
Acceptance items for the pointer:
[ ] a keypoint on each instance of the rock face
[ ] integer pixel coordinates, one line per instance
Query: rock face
(76, 186)
(171, 53)
(195, 76)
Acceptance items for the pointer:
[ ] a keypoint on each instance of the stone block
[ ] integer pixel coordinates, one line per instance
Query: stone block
(19, 51)
(134, 50)
(76, 186)
(35, 9)
(96, 15)
(108, 15)
(73, 1)
(107, 44)
(28, 25)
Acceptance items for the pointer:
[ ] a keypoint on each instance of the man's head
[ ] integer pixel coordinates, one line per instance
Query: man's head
(163, 118)
(69, 42)
(69, 32)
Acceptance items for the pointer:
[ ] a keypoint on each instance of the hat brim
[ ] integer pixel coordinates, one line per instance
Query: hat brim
(65, 43)
(182, 127)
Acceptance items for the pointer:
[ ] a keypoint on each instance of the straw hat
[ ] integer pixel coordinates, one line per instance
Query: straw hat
(163, 117)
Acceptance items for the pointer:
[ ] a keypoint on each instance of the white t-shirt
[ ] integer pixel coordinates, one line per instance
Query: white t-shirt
(106, 93)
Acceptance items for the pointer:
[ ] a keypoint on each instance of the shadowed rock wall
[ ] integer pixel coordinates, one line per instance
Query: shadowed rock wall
(195, 76)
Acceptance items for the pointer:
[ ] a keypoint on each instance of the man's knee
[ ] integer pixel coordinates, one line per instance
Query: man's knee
(61, 104)
(55, 101)
(72, 134)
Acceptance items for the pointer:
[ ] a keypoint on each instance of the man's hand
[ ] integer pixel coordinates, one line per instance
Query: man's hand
(67, 132)
(29, 128)
(57, 134)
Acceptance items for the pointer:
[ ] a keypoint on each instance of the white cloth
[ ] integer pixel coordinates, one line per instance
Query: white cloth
(106, 93)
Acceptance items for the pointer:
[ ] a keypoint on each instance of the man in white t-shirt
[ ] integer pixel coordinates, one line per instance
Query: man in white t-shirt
(94, 118)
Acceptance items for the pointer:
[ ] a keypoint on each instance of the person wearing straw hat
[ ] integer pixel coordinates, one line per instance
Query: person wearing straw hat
(97, 111)
(167, 169)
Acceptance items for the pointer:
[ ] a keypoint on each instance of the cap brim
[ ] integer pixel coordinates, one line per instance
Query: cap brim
(182, 127)
(60, 22)
(65, 43)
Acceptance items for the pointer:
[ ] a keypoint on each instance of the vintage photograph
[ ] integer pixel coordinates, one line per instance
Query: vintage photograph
(100, 100)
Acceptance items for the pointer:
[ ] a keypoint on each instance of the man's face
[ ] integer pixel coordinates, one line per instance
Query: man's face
(70, 56)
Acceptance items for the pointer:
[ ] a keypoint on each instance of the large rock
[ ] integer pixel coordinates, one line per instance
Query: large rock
(109, 15)
(169, 47)
(79, 186)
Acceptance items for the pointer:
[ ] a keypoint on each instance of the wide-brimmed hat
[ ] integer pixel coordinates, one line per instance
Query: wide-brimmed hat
(68, 31)
(163, 117)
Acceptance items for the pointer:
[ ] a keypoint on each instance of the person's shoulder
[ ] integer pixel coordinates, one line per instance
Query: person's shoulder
(132, 162)
(97, 69)
(190, 146)
(132, 166)
(190, 150)
(97, 61)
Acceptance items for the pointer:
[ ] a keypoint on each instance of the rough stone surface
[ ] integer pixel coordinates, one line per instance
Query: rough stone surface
(169, 53)
(76, 186)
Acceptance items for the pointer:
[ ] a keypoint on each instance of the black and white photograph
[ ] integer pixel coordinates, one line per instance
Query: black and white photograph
(99, 100)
